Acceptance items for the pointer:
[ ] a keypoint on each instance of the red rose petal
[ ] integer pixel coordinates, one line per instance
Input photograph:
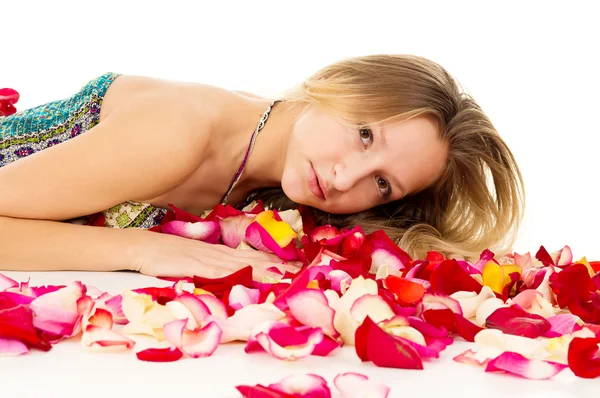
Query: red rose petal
(583, 357)
(513, 320)
(407, 292)
(449, 277)
(219, 286)
(384, 350)
(572, 284)
(160, 354)
(455, 323)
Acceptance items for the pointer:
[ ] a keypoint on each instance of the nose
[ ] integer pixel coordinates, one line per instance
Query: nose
(348, 172)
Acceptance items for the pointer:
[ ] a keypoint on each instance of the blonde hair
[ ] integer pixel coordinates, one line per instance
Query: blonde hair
(479, 200)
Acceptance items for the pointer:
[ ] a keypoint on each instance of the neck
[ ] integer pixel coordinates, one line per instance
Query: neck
(264, 166)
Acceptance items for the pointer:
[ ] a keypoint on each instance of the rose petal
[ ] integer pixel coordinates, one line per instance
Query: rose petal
(114, 306)
(241, 296)
(498, 276)
(563, 324)
(343, 320)
(7, 283)
(449, 277)
(572, 284)
(373, 306)
(470, 301)
(356, 385)
(200, 342)
(530, 348)
(171, 354)
(101, 339)
(145, 315)
(486, 308)
(517, 364)
(240, 325)
(476, 358)
(340, 280)
(12, 347)
(306, 385)
(326, 346)
(233, 229)
(407, 292)
(440, 301)
(452, 322)
(384, 350)
(514, 320)
(311, 308)
(101, 318)
(218, 286)
(214, 305)
(206, 231)
(583, 357)
(56, 312)
(260, 391)
(284, 342)
(386, 252)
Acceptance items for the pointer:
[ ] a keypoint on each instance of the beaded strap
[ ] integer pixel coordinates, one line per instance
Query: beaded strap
(238, 174)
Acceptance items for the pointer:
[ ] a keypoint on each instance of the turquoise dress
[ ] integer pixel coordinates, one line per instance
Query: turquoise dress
(33, 130)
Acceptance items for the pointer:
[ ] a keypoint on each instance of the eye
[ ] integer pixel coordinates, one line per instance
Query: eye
(366, 136)
(384, 187)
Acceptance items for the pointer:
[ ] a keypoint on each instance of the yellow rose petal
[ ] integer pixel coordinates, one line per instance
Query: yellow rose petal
(280, 231)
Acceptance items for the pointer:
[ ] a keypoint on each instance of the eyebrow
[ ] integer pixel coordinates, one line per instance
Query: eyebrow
(384, 145)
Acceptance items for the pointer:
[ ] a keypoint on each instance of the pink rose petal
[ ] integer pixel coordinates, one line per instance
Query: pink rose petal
(206, 231)
(562, 324)
(356, 385)
(200, 342)
(470, 358)
(306, 385)
(57, 312)
(99, 338)
(311, 308)
(12, 347)
(114, 306)
(233, 229)
(188, 306)
(214, 305)
(518, 365)
(7, 283)
(171, 354)
(260, 391)
(241, 296)
(326, 346)
(283, 341)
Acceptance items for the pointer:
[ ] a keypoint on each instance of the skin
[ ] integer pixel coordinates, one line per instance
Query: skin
(189, 141)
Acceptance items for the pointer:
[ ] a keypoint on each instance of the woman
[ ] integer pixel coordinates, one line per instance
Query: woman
(385, 141)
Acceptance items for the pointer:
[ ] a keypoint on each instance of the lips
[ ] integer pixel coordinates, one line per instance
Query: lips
(314, 184)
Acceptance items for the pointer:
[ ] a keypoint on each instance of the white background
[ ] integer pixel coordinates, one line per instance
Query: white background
(532, 65)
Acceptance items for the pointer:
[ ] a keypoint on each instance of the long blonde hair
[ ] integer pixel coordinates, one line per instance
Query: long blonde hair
(478, 202)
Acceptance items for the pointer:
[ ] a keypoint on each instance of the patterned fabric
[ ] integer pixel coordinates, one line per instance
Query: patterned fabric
(41, 127)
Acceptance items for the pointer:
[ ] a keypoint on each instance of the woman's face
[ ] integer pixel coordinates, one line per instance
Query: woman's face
(342, 170)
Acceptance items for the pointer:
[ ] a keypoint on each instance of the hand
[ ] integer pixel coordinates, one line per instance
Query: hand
(174, 256)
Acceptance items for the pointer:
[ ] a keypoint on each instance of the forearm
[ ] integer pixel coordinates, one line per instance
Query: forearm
(37, 245)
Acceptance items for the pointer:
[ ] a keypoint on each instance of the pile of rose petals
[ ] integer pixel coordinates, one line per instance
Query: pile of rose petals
(531, 317)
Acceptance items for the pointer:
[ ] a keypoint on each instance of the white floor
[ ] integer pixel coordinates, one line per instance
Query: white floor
(68, 370)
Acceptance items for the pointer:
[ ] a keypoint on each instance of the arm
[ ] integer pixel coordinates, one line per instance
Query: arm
(137, 152)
